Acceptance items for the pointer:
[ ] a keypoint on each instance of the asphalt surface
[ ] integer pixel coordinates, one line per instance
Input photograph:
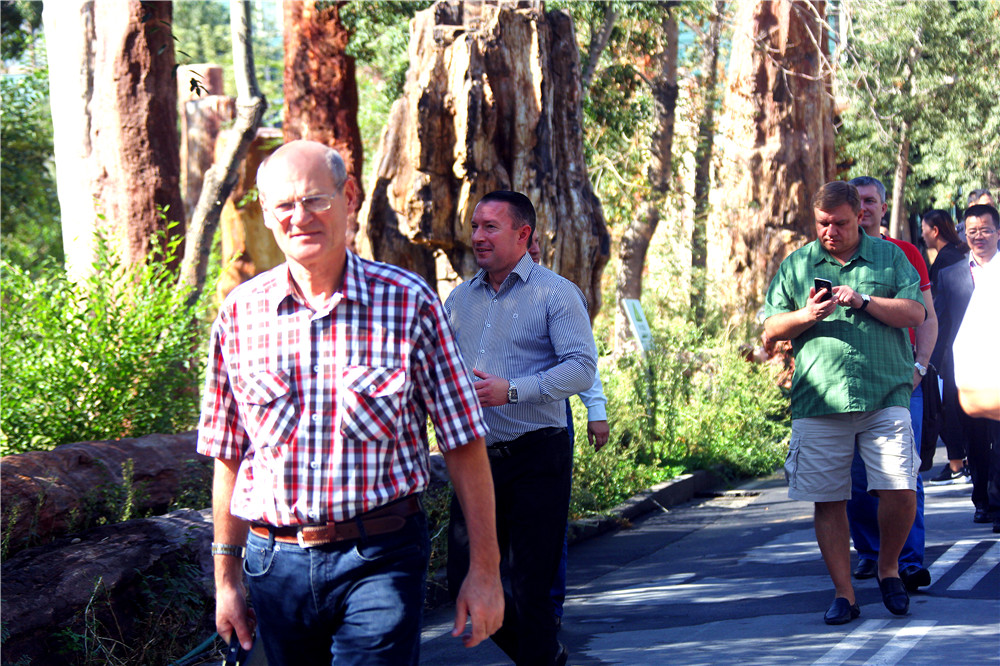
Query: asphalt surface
(736, 577)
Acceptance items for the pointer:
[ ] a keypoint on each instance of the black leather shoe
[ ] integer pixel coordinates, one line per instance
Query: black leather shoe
(841, 611)
(894, 595)
(982, 516)
(866, 569)
(914, 576)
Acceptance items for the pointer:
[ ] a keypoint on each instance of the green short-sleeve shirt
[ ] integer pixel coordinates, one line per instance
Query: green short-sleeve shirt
(850, 361)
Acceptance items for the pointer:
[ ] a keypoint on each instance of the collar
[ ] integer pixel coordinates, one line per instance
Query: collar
(819, 254)
(352, 288)
(522, 269)
(975, 264)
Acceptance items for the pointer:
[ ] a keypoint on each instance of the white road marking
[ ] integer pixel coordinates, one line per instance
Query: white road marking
(950, 558)
(851, 643)
(978, 570)
(902, 642)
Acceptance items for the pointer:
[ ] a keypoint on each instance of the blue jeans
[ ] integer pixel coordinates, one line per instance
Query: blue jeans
(354, 602)
(862, 508)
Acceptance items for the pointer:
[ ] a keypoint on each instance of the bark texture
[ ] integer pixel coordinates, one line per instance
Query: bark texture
(114, 113)
(777, 146)
(321, 91)
(248, 247)
(134, 123)
(492, 101)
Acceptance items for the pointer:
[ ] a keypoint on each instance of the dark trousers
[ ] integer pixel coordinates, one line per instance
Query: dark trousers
(532, 487)
(983, 456)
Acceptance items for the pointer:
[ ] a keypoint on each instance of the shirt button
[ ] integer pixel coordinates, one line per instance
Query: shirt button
(315, 418)
(482, 351)
(314, 464)
(494, 300)
(489, 325)
(314, 514)
(316, 368)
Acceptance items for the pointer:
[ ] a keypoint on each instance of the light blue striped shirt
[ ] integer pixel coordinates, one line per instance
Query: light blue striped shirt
(534, 332)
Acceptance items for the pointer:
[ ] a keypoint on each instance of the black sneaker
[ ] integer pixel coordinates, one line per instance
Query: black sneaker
(949, 476)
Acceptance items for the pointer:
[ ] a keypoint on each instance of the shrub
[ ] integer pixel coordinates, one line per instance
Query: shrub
(112, 356)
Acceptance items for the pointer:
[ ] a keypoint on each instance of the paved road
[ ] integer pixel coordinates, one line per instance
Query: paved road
(738, 578)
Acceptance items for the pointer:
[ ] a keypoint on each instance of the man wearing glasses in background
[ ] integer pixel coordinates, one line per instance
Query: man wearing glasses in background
(954, 286)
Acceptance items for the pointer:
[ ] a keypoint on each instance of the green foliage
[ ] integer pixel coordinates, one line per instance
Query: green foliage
(110, 357)
(937, 74)
(692, 403)
(19, 20)
(29, 206)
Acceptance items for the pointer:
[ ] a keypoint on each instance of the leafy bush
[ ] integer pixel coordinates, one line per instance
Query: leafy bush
(692, 403)
(113, 356)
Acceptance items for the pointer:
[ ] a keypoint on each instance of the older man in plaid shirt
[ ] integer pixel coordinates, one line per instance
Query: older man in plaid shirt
(852, 384)
(321, 376)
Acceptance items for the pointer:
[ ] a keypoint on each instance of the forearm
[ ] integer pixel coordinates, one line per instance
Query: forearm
(227, 528)
(788, 325)
(926, 334)
(897, 312)
(469, 469)
(595, 402)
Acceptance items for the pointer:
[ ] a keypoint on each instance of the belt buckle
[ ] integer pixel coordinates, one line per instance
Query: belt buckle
(318, 540)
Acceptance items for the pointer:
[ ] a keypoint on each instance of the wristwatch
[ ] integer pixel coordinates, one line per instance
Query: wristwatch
(865, 300)
(921, 369)
(512, 393)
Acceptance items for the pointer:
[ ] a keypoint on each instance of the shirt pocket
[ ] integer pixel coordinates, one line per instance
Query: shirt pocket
(372, 402)
(270, 414)
(875, 286)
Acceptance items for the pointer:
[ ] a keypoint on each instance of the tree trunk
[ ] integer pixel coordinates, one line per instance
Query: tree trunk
(637, 235)
(114, 112)
(899, 226)
(321, 92)
(492, 101)
(222, 177)
(779, 146)
(703, 161)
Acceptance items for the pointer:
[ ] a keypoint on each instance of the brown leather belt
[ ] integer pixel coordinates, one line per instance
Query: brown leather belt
(383, 520)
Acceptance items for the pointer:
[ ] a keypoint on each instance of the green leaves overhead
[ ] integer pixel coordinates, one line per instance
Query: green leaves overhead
(931, 66)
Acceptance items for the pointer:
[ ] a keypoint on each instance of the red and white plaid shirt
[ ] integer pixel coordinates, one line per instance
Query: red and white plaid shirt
(328, 410)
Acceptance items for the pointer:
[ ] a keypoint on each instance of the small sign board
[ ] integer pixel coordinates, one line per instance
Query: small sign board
(638, 324)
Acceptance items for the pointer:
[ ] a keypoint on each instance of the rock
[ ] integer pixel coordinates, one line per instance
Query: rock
(47, 494)
(105, 572)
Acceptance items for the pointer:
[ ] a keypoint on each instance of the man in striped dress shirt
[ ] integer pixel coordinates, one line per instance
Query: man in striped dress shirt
(524, 332)
(322, 373)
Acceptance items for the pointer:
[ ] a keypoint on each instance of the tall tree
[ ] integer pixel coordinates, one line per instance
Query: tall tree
(922, 108)
(321, 91)
(222, 177)
(480, 113)
(636, 237)
(779, 144)
(708, 85)
(114, 112)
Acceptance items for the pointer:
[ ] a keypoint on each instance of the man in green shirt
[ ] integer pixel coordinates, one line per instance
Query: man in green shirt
(852, 384)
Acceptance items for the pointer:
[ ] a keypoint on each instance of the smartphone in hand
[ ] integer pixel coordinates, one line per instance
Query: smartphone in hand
(821, 284)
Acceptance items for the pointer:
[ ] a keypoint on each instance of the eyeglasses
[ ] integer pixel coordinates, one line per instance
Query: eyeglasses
(314, 203)
(979, 233)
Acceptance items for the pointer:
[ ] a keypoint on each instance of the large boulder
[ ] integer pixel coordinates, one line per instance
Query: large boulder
(104, 584)
(47, 494)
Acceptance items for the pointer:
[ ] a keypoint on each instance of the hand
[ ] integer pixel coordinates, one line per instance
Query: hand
(492, 390)
(769, 344)
(597, 433)
(846, 297)
(231, 613)
(481, 600)
(820, 310)
(917, 378)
